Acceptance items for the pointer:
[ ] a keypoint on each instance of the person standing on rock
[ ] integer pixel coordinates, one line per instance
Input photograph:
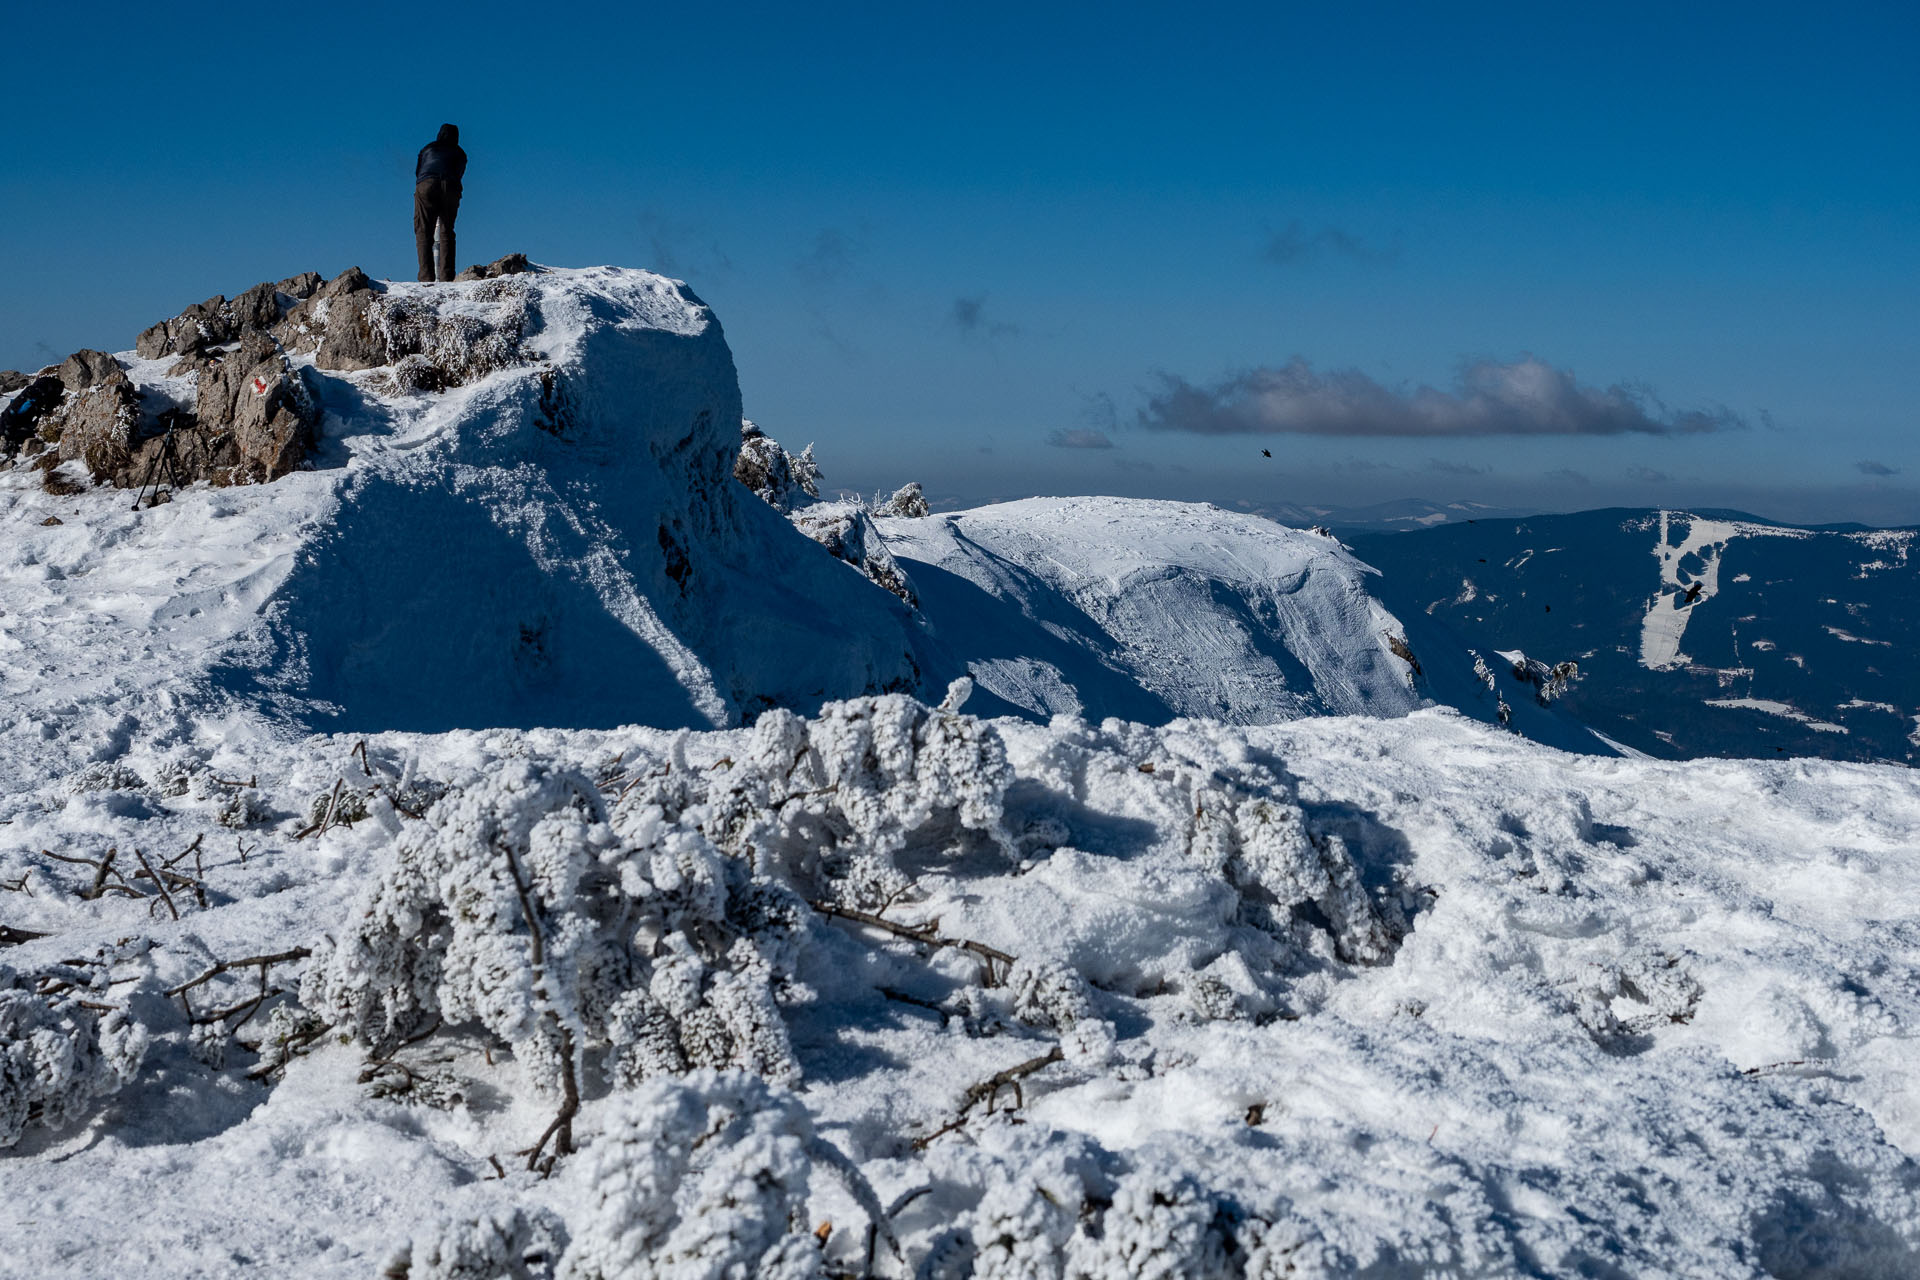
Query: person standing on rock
(436, 199)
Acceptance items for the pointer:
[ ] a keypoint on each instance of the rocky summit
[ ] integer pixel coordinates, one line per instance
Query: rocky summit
(221, 398)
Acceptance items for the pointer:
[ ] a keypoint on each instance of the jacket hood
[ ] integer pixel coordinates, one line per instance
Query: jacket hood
(449, 133)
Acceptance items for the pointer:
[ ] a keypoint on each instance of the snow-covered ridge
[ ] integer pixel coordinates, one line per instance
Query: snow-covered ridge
(1150, 610)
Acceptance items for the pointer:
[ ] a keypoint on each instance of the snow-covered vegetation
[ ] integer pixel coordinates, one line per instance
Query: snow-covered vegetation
(839, 980)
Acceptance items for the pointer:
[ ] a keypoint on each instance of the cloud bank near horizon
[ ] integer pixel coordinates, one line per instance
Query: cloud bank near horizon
(1526, 397)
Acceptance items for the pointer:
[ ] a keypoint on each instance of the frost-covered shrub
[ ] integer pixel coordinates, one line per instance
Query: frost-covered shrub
(826, 804)
(780, 479)
(705, 1177)
(906, 501)
(1061, 1215)
(105, 775)
(516, 906)
(431, 348)
(1283, 872)
(340, 808)
(1659, 983)
(1160, 1226)
(1054, 995)
(508, 1244)
(57, 1056)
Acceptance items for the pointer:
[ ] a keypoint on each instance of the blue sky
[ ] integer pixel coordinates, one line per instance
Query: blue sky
(1555, 259)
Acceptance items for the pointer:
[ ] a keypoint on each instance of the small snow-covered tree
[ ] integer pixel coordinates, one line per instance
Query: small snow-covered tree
(1160, 1226)
(907, 500)
(702, 1178)
(516, 906)
(57, 1056)
(780, 479)
(506, 1244)
(826, 804)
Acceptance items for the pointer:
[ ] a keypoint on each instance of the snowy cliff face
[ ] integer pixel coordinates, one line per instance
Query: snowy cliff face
(1151, 610)
(520, 511)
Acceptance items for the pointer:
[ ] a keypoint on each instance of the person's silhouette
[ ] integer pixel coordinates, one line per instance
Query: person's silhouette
(436, 199)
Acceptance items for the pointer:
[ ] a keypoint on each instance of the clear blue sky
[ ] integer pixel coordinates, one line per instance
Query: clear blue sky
(941, 237)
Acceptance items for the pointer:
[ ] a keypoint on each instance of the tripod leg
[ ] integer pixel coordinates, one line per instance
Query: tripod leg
(145, 481)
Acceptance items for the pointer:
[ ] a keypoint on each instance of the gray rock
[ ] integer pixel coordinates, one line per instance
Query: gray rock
(257, 308)
(254, 415)
(11, 380)
(98, 416)
(352, 280)
(153, 342)
(510, 265)
(204, 324)
(89, 368)
(302, 286)
(351, 341)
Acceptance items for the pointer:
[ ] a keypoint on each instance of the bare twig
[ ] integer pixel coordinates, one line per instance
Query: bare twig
(989, 1088)
(247, 1008)
(326, 819)
(17, 886)
(893, 1211)
(253, 781)
(916, 1001)
(393, 798)
(102, 868)
(360, 749)
(925, 934)
(12, 937)
(178, 881)
(561, 1130)
(295, 1045)
(227, 966)
(193, 848)
(158, 883)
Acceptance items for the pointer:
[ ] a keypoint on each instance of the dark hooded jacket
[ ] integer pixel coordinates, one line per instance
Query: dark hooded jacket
(442, 158)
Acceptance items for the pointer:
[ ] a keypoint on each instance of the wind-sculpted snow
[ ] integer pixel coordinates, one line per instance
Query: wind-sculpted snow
(894, 990)
(1151, 610)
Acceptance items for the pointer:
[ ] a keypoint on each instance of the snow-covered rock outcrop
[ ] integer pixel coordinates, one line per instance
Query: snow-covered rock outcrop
(1150, 610)
(520, 510)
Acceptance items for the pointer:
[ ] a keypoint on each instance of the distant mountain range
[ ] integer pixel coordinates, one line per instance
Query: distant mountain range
(1400, 514)
(1697, 633)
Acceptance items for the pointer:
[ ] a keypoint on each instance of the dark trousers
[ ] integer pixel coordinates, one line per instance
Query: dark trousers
(436, 202)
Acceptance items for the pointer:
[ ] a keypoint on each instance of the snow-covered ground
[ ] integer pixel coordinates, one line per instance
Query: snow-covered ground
(882, 987)
(1409, 996)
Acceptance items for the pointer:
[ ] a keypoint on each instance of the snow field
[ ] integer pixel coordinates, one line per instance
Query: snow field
(1411, 996)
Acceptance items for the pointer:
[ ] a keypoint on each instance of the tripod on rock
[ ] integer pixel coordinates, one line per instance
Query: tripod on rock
(165, 466)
